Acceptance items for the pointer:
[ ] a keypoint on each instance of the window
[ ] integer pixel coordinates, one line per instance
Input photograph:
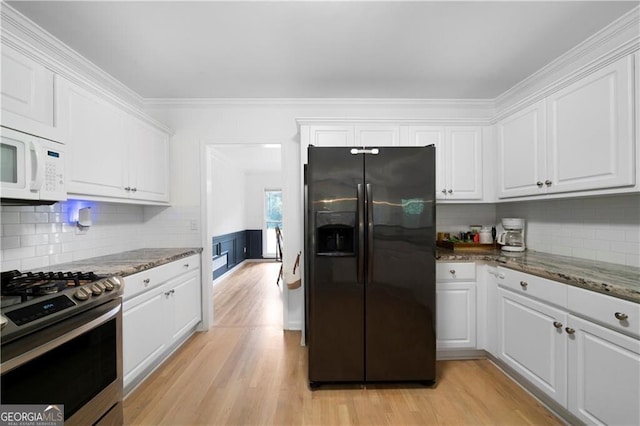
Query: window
(272, 218)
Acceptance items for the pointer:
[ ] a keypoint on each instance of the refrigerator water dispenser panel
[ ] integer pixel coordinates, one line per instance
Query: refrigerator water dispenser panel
(335, 233)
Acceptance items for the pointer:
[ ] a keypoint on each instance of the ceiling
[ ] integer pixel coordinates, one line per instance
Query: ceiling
(330, 49)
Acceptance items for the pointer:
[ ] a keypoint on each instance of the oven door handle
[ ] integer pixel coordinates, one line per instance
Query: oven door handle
(59, 341)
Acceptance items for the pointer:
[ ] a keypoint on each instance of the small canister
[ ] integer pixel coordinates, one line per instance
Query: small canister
(485, 236)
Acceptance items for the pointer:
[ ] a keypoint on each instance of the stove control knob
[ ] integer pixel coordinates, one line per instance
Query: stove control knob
(101, 285)
(96, 290)
(117, 282)
(82, 294)
(108, 285)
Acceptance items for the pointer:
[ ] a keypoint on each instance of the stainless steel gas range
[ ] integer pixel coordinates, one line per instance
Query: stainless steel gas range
(62, 343)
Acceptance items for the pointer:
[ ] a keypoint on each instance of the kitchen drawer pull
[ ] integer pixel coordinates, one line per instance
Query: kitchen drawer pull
(452, 271)
(557, 324)
(523, 284)
(569, 330)
(444, 191)
(547, 182)
(620, 316)
(450, 191)
(167, 293)
(134, 189)
(146, 281)
(128, 188)
(539, 183)
(186, 265)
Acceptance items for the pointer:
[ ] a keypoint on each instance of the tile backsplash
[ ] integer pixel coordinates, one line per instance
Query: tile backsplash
(38, 236)
(602, 228)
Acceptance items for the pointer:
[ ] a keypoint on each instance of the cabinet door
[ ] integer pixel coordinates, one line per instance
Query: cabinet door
(96, 139)
(148, 162)
(604, 375)
(187, 309)
(522, 162)
(463, 165)
(331, 135)
(145, 332)
(456, 315)
(27, 93)
(532, 345)
(590, 134)
(377, 135)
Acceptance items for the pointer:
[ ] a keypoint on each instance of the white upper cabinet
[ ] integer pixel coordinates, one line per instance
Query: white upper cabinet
(522, 162)
(580, 138)
(113, 156)
(27, 95)
(330, 136)
(377, 135)
(95, 135)
(148, 162)
(462, 164)
(590, 143)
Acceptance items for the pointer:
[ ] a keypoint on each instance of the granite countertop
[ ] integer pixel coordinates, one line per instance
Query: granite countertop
(609, 278)
(126, 263)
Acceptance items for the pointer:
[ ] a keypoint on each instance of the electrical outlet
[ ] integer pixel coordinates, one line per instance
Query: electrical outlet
(193, 223)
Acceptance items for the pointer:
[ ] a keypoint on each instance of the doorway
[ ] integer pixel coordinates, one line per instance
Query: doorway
(241, 195)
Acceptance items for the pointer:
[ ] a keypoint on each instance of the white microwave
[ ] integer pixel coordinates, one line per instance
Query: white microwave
(31, 169)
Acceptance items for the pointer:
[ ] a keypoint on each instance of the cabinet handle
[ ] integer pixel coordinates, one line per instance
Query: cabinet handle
(539, 183)
(450, 191)
(127, 188)
(569, 330)
(501, 275)
(146, 281)
(452, 271)
(557, 324)
(167, 293)
(134, 189)
(444, 191)
(620, 316)
(186, 265)
(547, 182)
(523, 284)
(172, 291)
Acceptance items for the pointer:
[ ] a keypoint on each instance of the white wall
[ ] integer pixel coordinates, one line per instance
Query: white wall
(458, 217)
(229, 203)
(602, 228)
(256, 183)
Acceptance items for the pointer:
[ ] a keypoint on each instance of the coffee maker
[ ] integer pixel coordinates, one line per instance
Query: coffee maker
(512, 239)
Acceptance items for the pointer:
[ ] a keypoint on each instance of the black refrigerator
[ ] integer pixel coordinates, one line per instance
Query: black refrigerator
(370, 264)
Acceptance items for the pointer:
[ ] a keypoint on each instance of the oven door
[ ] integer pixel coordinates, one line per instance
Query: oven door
(77, 363)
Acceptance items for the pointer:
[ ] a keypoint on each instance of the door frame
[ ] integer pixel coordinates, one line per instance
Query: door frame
(207, 203)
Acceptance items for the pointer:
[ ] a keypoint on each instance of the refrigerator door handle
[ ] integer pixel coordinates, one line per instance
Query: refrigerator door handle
(356, 151)
(360, 214)
(369, 203)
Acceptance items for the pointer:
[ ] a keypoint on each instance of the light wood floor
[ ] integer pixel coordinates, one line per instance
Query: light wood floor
(247, 371)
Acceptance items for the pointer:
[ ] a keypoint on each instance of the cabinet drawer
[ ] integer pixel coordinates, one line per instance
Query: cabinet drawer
(145, 280)
(530, 285)
(453, 271)
(605, 310)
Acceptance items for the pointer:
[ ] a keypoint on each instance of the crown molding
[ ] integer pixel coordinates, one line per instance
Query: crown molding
(418, 121)
(36, 43)
(200, 102)
(616, 40)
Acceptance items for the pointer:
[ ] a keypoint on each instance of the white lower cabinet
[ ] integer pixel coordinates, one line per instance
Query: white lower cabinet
(578, 347)
(456, 306)
(604, 374)
(158, 318)
(456, 315)
(532, 342)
